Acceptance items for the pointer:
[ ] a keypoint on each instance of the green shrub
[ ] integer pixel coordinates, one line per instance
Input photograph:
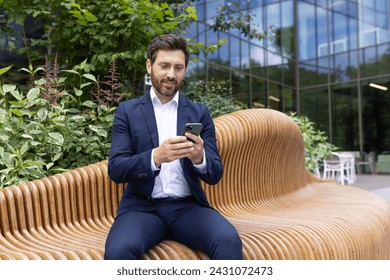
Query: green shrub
(316, 145)
(217, 96)
(46, 129)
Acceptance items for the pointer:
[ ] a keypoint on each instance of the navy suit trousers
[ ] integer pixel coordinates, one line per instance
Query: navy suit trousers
(183, 220)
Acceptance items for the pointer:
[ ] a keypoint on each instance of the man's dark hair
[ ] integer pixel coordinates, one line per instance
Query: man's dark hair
(167, 42)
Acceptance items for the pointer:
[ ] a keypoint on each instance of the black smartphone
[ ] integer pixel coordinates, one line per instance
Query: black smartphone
(194, 128)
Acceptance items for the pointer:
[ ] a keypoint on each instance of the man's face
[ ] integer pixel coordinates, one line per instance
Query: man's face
(167, 72)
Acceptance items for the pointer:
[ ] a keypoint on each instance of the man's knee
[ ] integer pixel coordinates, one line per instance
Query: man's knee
(226, 245)
(123, 251)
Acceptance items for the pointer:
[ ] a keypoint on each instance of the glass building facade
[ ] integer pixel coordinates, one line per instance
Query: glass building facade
(325, 61)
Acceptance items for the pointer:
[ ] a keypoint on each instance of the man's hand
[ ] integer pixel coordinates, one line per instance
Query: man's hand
(180, 147)
(197, 154)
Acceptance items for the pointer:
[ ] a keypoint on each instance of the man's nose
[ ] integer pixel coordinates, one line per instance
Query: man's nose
(171, 73)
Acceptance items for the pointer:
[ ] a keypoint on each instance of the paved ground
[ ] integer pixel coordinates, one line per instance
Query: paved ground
(379, 184)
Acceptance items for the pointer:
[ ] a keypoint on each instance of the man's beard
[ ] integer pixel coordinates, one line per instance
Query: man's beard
(161, 89)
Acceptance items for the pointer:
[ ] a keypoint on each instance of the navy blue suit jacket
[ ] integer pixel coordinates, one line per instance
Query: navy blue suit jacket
(134, 135)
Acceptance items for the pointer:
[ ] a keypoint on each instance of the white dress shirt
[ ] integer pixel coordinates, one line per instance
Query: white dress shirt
(170, 182)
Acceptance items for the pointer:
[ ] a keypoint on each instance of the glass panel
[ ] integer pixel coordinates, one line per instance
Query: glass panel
(240, 86)
(274, 67)
(341, 64)
(353, 34)
(352, 70)
(257, 20)
(275, 97)
(322, 34)
(245, 56)
(212, 7)
(352, 9)
(195, 72)
(257, 61)
(368, 3)
(200, 10)
(345, 120)
(314, 105)
(340, 34)
(376, 117)
(369, 66)
(286, 44)
(307, 32)
(258, 93)
(312, 75)
(273, 18)
(201, 38)
(384, 59)
(382, 5)
(289, 73)
(217, 73)
(212, 38)
(234, 52)
(289, 104)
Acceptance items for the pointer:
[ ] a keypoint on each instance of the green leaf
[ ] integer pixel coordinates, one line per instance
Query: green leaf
(90, 77)
(71, 72)
(57, 156)
(57, 137)
(5, 70)
(9, 88)
(42, 114)
(77, 91)
(33, 93)
(102, 132)
(93, 128)
(27, 136)
(16, 94)
(49, 165)
(16, 112)
(85, 84)
(4, 138)
(90, 104)
(23, 149)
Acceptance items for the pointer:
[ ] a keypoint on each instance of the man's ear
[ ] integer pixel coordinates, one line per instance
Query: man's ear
(148, 66)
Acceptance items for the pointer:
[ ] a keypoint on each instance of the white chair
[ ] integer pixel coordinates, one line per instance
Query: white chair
(349, 159)
(335, 168)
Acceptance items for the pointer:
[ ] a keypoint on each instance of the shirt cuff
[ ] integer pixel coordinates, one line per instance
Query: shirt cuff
(152, 165)
(202, 167)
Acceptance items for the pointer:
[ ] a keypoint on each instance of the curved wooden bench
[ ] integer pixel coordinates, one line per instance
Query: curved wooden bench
(280, 210)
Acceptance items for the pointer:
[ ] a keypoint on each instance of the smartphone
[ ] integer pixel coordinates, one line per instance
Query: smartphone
(194, 128)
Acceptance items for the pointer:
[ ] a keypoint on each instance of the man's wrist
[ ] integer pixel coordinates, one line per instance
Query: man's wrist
(154, 165)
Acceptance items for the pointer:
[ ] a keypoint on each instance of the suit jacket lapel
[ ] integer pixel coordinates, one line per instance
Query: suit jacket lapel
(150, 119)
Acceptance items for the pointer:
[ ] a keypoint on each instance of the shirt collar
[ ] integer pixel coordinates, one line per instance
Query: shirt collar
(156, 101)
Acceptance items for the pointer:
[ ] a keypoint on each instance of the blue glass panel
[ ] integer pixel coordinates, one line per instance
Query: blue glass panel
(257, 23)
(212, 38)
(234, 52)
(257, 61)
(200, 10)
(307, 32)
(340, 33)
(254, 4)
(382, 5)
(288, 14)
(245, 55)
(352, 9)
(322, 33)
(353, 33)
(273, 18)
